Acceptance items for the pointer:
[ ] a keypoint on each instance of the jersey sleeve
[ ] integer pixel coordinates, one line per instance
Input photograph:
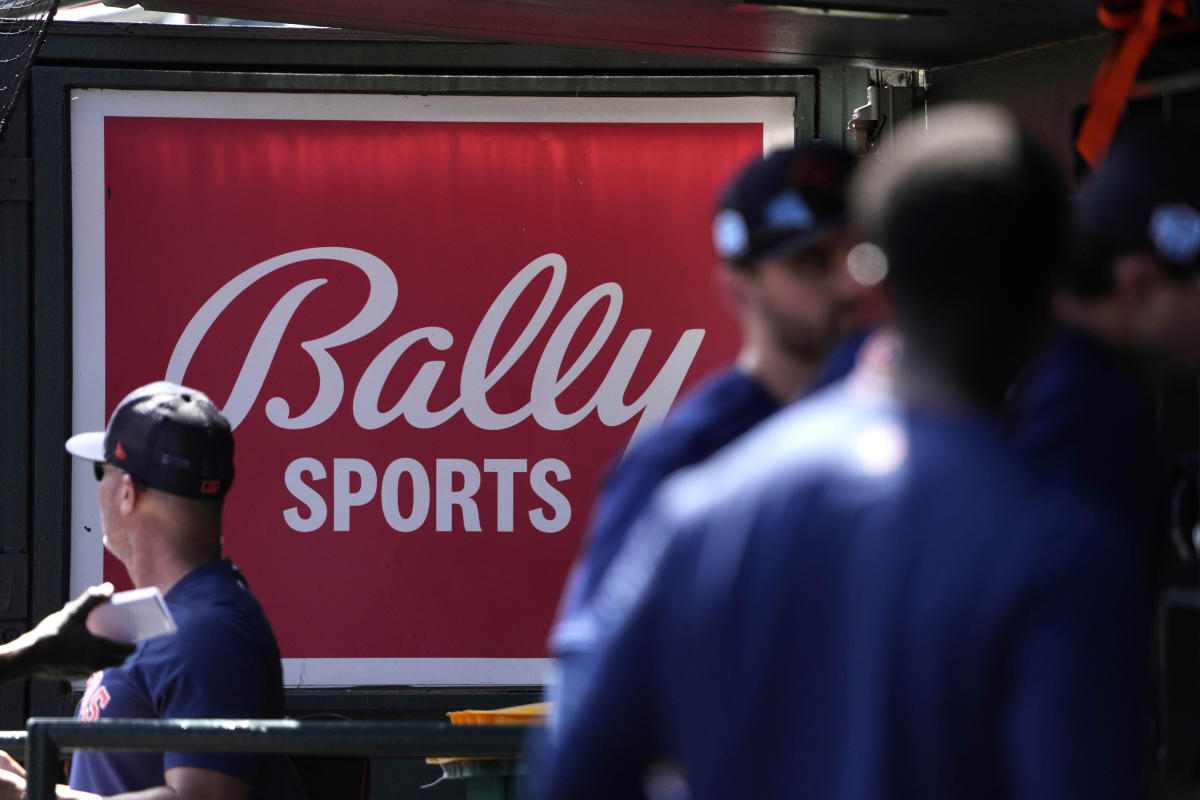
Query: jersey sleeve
(625, 494)
(603, 732)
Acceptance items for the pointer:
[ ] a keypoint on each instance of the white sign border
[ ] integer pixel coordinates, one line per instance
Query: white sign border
(88, 109)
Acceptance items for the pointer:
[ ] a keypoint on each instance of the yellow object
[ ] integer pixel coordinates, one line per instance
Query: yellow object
(532, 714)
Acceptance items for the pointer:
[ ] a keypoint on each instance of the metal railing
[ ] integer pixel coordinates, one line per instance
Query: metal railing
(46, 738)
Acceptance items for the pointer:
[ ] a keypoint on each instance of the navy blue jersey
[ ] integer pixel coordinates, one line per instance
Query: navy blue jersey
(861, 600)
(717, 412)
(221, 662)
(1082, 412)
(721, 409)
(842, 359)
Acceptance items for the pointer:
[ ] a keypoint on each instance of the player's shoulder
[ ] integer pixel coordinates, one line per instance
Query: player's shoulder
(722, 406)
(218, 609)
(1078, 372)
(804, 445)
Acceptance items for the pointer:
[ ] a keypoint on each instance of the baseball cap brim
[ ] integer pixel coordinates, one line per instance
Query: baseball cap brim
(799, 241)
(87, 445)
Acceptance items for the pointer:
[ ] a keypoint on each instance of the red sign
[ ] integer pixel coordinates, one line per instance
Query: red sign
(431, 337)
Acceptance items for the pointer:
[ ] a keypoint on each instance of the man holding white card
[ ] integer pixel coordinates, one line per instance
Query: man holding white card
(164, 465)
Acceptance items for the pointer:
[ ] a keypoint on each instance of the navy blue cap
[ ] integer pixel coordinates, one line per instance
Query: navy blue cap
(782, 204)
(1146, 198)
(169, 437)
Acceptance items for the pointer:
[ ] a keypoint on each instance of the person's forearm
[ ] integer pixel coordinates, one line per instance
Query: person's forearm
(61, 646)
(16, 659)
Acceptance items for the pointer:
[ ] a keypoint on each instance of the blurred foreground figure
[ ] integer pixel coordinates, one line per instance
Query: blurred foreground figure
(1130, 303)
(781, 231)
(870, 595)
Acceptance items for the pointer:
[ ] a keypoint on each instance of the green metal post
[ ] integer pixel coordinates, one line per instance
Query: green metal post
(41, 764)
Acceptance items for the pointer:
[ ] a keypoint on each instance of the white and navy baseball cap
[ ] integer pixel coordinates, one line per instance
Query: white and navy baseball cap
(167, 436)
(783, 204)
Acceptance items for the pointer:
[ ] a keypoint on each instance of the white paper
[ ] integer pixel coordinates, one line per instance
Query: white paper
(132, 616)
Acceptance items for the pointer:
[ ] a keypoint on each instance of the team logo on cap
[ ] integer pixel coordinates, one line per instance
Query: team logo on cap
(819, 173)
(730, 235)
(788, 210)
(1175, 232)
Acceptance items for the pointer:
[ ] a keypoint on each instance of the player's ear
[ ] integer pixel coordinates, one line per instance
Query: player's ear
(130, 493)
(734, 286)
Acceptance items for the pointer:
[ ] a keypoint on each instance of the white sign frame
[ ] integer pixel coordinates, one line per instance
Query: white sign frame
(88, 109)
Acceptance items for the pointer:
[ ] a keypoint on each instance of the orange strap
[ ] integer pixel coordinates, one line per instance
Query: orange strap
(1124, 20)
(1141, 27)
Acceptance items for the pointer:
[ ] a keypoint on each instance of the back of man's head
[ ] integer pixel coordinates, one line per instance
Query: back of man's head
(971, 217)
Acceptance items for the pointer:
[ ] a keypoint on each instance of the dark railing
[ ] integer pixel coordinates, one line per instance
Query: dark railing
(47, 738)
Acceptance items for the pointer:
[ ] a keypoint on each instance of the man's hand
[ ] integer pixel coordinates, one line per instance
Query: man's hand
(12, 778)
(12, 786)
(61, 645)
(10, 764)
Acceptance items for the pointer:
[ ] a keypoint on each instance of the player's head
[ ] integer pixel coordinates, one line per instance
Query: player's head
(971, 218)
(781, 230)
(1139, 231)
(168, 437)
(165, 443)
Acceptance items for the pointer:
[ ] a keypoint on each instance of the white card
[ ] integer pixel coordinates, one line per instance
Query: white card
(132, 616)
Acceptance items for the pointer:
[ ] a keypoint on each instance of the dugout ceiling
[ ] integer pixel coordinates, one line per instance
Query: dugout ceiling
(875, 32)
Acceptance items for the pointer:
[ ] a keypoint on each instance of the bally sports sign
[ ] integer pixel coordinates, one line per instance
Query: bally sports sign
(433, 322)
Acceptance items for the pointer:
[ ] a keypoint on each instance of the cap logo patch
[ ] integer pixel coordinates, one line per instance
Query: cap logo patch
(119, 452)
(817, 173)
(210, 487)
(788, 210)
(1175, 232)
(730, 235)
